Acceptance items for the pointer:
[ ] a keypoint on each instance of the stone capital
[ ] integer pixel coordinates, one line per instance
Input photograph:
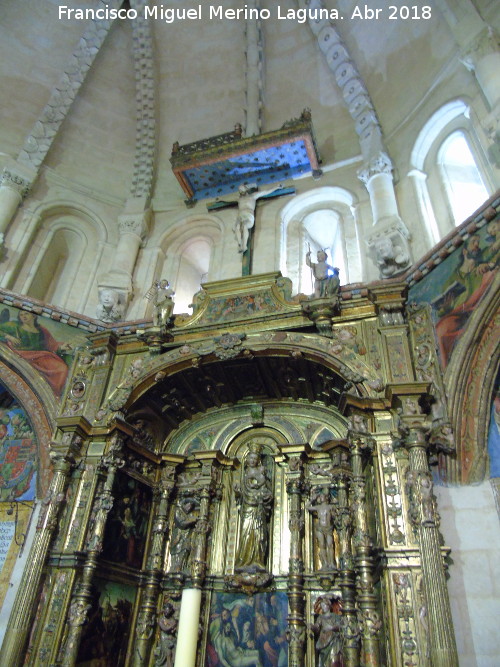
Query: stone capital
(134, 223)
(485, 44)
(379, 164)
(14, 181)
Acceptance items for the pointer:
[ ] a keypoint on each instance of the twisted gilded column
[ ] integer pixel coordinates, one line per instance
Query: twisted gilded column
(147, 611)
(296, 621)
(23, 612)
(81, 599)
(361, 445)
(414, 428)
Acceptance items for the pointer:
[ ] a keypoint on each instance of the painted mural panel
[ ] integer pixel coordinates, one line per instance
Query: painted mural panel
(18, 462)
(18, 477)
(126, 529)
(494, 431)
(47, 347)
(455, 287)
(105, 635)
(247, 630)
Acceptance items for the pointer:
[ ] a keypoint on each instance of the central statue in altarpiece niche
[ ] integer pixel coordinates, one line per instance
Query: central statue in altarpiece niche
(255, 497)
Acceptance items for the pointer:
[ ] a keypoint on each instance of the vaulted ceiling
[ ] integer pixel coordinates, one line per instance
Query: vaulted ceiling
(198, 83)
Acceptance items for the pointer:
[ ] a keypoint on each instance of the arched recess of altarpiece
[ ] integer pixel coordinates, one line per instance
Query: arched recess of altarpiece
(282, 473)
(469, 380)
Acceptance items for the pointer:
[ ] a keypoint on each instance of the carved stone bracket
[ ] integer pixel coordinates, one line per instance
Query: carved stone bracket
(389, 249)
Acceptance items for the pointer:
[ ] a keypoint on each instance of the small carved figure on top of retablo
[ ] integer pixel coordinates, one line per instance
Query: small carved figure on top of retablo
(326, 277)
(161, 295)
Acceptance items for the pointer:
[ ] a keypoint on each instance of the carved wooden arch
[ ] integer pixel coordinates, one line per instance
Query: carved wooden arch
(469, 380)
(33, 399)
(311, 346)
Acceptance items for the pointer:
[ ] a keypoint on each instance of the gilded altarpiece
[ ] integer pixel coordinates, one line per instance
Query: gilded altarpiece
(256, 492)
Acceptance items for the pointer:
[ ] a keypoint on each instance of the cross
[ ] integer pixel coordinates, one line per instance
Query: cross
(244, 228)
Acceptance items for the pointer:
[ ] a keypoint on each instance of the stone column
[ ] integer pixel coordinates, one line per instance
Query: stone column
(132, 225)
(13, 189)
(23, 612)
(82, 595)
(147, 612)
(361, 445)
(388, 243)
(482, 57)
(414, 428)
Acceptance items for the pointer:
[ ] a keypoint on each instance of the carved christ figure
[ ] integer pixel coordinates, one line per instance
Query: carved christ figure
(246, 212)
(255, 497)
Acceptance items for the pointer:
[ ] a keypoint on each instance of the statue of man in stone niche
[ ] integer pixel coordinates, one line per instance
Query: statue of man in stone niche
(109, 308)
(245, 220)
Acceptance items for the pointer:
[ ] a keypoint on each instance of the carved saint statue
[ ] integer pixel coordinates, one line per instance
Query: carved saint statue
(326, 277)
(185, 518)
(165, 649)
(329, 630)
(325, 512)
(161, 294)
(255, 497)
(109, 308)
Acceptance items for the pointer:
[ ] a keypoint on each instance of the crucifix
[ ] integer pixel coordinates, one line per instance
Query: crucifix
(244, 227)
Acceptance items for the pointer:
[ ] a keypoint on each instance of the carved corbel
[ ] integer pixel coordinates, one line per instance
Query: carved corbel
(321, 313)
